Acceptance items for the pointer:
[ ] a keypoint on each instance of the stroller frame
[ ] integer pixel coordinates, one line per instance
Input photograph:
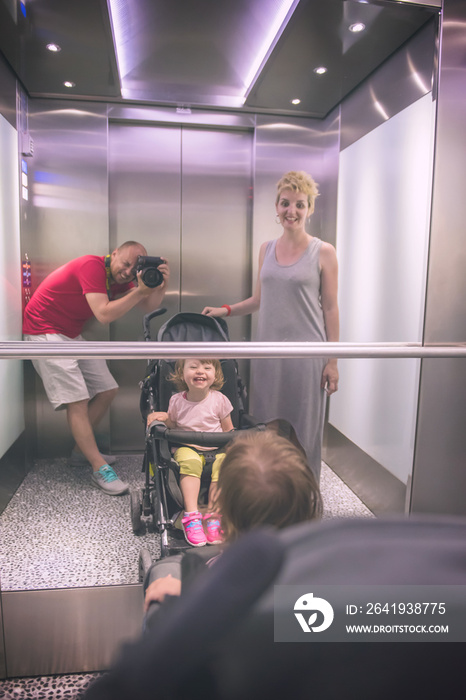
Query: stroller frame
(159, 504)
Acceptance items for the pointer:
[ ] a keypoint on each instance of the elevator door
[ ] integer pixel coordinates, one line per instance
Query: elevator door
(185, 194)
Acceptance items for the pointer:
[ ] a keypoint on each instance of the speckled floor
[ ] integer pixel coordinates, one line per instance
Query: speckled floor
(68, 687)
(60, 531)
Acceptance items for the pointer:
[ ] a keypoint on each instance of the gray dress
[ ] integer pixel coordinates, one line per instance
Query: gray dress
(290, 310)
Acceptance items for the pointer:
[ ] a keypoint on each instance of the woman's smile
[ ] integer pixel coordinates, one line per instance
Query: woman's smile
(292, 208)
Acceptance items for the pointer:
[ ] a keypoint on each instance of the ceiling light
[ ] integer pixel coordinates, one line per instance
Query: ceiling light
(320, 70)
(357, 27)
(54, 48)
(69, 84)
(296, 101)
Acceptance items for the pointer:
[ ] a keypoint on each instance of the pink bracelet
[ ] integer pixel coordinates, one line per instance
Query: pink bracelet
(228, 308)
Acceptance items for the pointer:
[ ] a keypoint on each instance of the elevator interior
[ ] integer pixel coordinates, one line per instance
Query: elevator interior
(160, 151)
(168, 141)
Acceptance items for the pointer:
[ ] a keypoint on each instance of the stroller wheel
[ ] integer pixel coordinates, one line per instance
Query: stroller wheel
(145, 562)
(136, 512)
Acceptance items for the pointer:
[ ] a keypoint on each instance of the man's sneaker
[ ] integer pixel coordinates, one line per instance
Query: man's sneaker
(193, 530)
(77, 459)
(106, 479)
(213, 528)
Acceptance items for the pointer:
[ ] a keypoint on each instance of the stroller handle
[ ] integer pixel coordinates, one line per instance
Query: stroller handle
(159, 431)
(148, 318)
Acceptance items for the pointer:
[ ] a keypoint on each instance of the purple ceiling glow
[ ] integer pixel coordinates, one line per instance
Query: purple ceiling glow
(229, 49)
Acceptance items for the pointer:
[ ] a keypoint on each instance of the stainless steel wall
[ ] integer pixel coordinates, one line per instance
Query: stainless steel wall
(185, 194)
(439, 478)
(66, 216)
(7, 93)
(186, 186)
(68, 630)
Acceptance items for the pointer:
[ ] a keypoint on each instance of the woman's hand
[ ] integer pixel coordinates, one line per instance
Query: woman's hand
(157, 415)
(216, 311)
(158, 589)
(330, 377)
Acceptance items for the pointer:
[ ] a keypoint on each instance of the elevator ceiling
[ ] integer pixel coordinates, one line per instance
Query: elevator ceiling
(198, 53)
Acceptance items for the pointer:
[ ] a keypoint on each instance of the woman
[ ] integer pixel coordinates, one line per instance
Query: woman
(296, 294)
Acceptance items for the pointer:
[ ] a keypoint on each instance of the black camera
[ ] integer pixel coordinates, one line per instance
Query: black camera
(151, 275)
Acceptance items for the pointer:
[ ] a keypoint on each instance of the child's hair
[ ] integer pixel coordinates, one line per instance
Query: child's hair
(177, 375)
(265, 480)
(299, 181)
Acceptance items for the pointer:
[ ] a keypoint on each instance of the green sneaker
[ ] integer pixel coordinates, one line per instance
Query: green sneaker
(106, 479)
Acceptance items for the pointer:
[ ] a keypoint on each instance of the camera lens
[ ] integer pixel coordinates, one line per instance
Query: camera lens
(152, 277)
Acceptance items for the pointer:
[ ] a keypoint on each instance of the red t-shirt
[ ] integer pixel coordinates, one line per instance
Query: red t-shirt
(59, 304)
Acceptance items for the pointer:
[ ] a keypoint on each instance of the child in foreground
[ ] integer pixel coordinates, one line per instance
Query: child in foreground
(264, 480)
(199, 406)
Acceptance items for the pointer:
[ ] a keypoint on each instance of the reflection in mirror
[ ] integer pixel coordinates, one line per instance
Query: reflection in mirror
(57, 529)
(60, 532)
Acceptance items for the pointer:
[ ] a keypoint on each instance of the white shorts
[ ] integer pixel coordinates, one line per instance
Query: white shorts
(67, 380)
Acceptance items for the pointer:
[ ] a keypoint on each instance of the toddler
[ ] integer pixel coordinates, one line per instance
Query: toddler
(199, 406)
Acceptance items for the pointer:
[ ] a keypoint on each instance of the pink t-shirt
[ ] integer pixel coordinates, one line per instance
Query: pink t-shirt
(59, 304)
(202, 416)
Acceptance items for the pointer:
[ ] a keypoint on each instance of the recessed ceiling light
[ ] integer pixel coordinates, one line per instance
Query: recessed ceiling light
(54, 48)
(296, 101)
(357, 27)
(320, 70)
(69, 84)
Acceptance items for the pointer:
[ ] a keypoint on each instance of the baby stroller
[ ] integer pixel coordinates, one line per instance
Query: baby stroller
(233, 606)
(159, 504)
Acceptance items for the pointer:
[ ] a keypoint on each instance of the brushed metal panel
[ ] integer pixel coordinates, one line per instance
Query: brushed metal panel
(217, 209)
(188, 117)
(2, 642)
(145, 205)
(7, 93)
(400, 81)
(75, 630)
(426, 3)
(439, 475)
(66, 215)
(445, 317)
(439, 480)
(374, 485)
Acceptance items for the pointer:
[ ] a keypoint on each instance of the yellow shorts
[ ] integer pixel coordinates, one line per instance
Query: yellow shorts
(192, 463)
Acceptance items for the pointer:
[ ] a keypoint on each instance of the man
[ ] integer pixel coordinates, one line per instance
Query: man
(87, 286)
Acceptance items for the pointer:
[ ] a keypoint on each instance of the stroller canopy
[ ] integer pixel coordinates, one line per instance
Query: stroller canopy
(194, 328)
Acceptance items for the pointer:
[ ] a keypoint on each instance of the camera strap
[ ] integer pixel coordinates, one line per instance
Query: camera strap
(108, 274)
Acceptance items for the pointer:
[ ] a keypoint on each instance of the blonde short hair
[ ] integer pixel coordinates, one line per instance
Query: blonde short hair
(177, 375)
(265, 480)
(299, 181)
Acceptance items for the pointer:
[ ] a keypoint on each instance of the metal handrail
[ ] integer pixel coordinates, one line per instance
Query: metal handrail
(26, 350)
